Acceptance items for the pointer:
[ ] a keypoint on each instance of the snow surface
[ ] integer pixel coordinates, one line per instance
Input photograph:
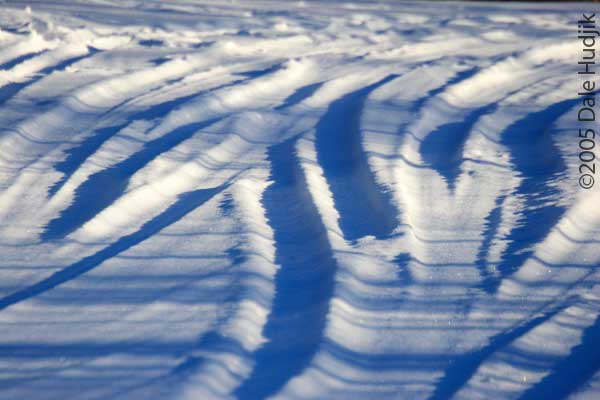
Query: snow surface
(294, 200)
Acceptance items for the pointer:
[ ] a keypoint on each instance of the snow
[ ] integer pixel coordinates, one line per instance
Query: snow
(294, 200)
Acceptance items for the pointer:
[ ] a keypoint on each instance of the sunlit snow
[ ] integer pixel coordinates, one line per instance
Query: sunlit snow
(294, 200)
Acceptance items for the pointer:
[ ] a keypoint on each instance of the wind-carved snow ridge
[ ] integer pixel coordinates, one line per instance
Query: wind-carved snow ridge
(294, 200)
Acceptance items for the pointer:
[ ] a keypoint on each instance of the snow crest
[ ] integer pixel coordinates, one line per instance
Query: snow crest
(293, 200)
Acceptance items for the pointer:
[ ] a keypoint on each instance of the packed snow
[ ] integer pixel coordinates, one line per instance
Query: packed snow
(294, 200)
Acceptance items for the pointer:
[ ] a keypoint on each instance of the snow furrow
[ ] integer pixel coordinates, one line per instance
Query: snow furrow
(294, 200)
(186, 203)
(364, 208)
(303, 283)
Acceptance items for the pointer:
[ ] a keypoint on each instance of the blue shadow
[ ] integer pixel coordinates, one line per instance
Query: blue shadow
(102, 188)
(572, 372)
(299, 95)
(539, 163)
(461, 368)
(443, 148)
(185, 204)
(365, 208)
(303, 285)
(17, 60)
(8, 91)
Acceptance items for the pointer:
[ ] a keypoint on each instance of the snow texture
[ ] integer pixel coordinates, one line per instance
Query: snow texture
(294, 200)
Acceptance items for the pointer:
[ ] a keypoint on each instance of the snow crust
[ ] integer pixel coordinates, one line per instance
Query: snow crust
(294, 200)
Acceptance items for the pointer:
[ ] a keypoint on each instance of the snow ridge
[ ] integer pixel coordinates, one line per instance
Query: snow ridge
(293, 200)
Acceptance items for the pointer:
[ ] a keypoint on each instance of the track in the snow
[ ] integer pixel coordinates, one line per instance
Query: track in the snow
(296, 201)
